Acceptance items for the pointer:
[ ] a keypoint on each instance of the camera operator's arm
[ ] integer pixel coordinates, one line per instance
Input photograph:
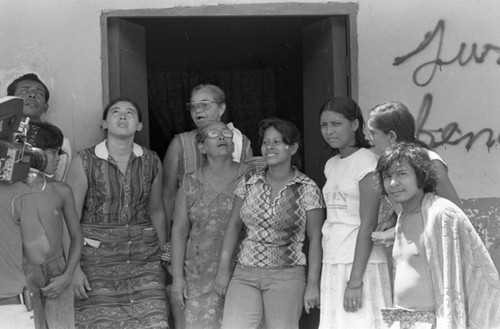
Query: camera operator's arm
(36, 244)
(77, 180)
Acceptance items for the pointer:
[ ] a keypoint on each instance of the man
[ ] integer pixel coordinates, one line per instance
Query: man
(36, 96)
(21, 234)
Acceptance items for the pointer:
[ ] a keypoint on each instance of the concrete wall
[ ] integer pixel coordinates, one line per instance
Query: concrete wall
(61, 41)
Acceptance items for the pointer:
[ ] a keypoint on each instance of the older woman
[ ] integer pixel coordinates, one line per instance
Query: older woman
(202, 208)
(117, 187)
(207, 104)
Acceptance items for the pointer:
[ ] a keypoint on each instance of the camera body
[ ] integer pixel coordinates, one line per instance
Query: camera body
(17, 157)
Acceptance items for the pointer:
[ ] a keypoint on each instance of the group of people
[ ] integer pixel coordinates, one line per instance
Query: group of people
(217, 236)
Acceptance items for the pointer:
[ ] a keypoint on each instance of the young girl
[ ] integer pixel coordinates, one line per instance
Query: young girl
(278, 205)
(355, 280)
(444, 276)
(50, 282)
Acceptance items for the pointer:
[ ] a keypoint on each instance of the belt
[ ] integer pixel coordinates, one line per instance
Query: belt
(14, 300)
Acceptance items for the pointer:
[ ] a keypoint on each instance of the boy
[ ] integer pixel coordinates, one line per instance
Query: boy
(444, 276)
(50, 282)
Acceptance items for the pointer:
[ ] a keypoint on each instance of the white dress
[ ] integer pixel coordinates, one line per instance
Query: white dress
(342, 198)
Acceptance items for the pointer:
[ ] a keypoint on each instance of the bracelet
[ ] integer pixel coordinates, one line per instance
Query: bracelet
(350, 286)
(166, 253)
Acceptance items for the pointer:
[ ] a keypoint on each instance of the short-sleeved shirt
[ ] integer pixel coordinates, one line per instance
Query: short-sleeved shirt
(275, 229)
(342, 198)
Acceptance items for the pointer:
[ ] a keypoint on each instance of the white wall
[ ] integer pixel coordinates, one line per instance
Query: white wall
(61, 41)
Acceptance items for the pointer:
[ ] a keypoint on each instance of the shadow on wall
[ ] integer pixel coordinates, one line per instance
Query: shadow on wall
(484, 213)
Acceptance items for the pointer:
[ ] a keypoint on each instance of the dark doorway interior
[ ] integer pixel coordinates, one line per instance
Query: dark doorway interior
(257, 61)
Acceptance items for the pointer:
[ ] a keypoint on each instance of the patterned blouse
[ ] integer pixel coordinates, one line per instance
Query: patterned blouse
(114, 198)
(275, 228)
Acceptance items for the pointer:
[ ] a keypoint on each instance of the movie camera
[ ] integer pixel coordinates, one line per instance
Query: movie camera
(17, 157)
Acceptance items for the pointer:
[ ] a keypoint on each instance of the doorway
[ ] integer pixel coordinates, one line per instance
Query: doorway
(270, 59)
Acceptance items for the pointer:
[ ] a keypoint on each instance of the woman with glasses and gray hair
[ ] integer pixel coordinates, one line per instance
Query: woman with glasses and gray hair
(207, 104)
(202, 207)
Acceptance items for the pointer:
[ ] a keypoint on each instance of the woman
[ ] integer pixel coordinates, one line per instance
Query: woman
(202, 208)
(207, 104)
(278, 206)
(117, 187)
(355, 281)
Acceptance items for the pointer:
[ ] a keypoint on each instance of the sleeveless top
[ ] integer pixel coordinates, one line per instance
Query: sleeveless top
(114, 198)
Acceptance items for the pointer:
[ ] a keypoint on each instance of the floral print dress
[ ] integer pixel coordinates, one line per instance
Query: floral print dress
(209, 213)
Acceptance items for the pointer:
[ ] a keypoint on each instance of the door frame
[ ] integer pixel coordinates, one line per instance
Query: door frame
(267, 9)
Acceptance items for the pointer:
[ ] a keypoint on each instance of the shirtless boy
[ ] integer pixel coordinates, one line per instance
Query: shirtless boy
(50, 282)
(444, 276)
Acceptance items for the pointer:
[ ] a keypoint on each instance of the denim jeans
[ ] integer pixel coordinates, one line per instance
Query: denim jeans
(53, 313)
(268, 295)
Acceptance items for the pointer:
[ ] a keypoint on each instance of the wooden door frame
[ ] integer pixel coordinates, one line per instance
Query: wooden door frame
(265, 10)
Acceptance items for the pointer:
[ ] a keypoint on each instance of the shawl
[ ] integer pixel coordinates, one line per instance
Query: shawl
(465, 280)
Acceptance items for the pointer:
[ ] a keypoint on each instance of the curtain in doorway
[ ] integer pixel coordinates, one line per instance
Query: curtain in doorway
(250, 97)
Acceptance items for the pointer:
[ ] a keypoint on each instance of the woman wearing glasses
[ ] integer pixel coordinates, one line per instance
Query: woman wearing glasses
(207, 104)
(202, 207)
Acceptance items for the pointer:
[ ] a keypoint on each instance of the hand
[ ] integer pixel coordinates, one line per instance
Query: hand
(56, 286)
(80, 284)
(353, 298)
(222, 281)
(179, 292)
(311, 297)
(385, 238)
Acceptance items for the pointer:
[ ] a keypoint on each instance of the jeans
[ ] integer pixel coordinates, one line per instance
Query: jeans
(269, 295)
(53, 313)
(16, 317)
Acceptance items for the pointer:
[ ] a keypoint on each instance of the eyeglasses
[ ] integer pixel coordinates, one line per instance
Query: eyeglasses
(228, 133)
(203, 105)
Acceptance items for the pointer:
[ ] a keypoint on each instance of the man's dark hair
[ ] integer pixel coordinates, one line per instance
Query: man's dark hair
(11, 89)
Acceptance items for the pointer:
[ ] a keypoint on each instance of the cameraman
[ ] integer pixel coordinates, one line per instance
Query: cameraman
(36, 96)
(21, 234)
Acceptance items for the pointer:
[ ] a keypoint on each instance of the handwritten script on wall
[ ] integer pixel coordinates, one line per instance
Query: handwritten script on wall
(423, 74)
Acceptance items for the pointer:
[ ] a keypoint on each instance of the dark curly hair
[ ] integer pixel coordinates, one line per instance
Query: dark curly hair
(416, 156)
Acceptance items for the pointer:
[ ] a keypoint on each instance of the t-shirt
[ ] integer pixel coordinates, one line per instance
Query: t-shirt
(342, 198)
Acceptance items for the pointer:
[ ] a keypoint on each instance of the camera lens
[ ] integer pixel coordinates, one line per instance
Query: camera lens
(37, 158)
